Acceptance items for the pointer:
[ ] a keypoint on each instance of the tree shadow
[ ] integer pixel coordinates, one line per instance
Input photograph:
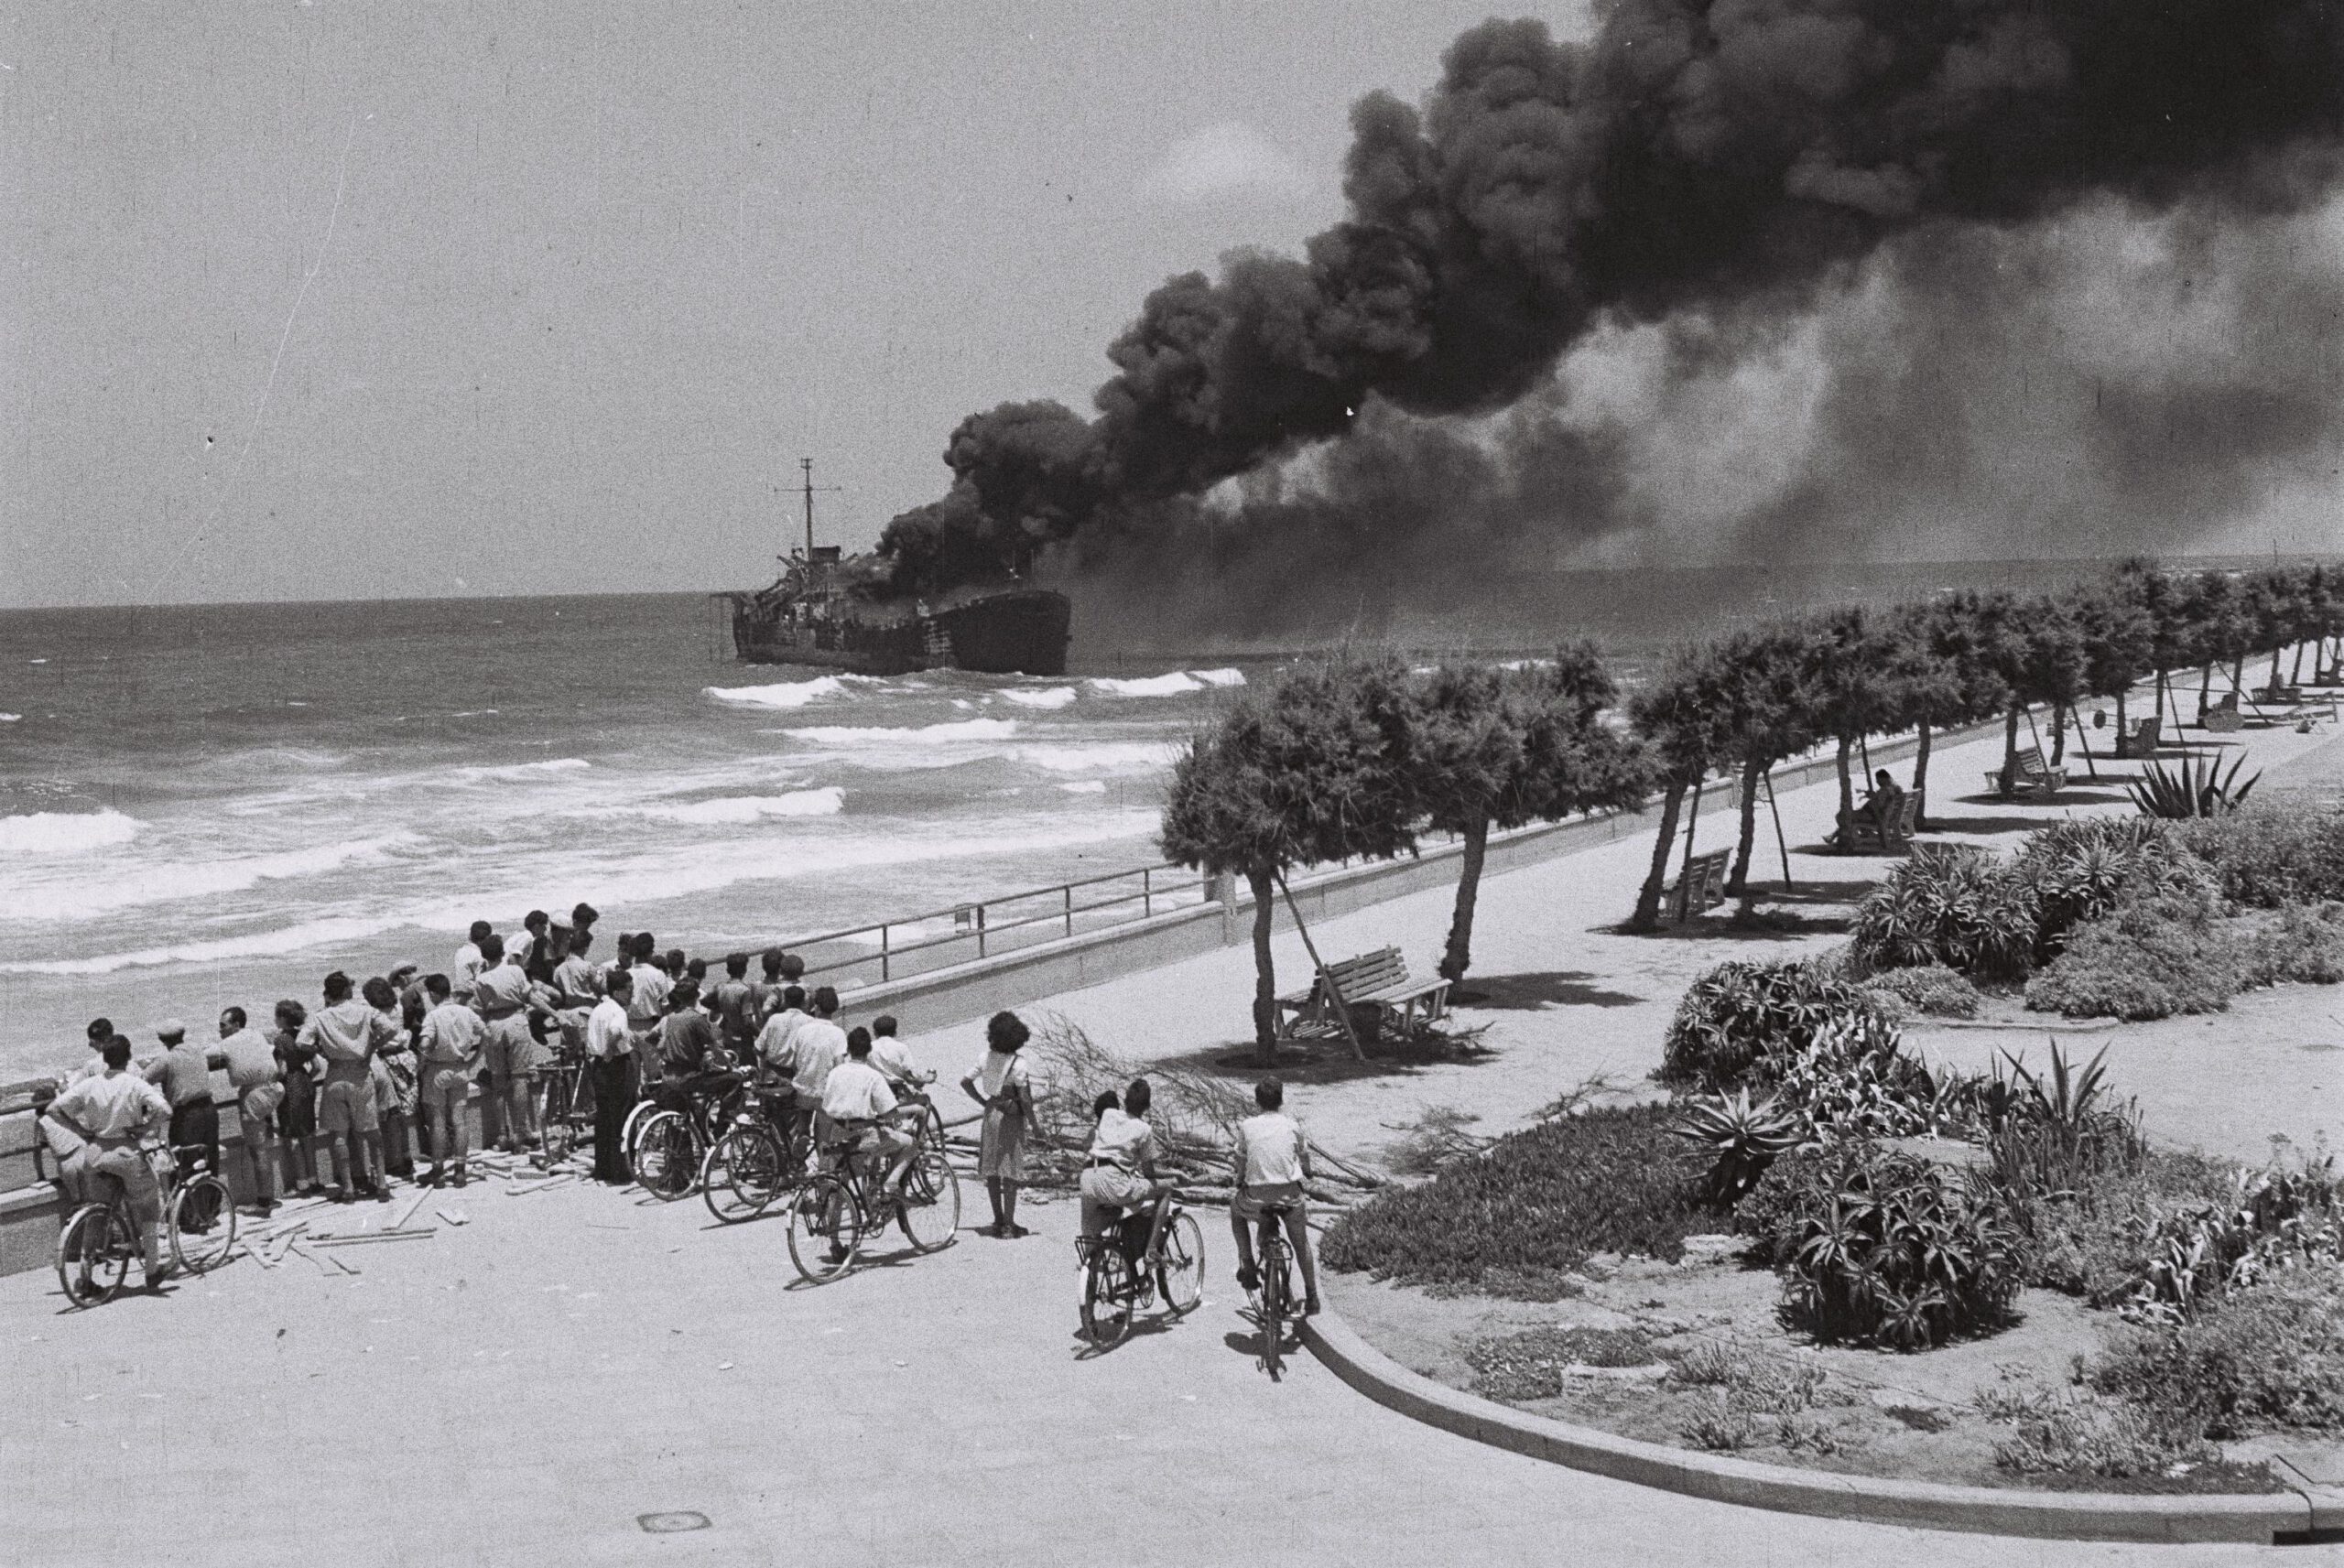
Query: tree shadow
(1321, 1061)
(1984, 827)
(1729, 926)
(1539, 990)
(2074, 795)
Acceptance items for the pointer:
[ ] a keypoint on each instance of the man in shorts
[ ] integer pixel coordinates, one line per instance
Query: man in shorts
(1272, 1160)
(346, 1032)
(452, 1038)
(257, 1080)
(110, 1113)
(854, 1090)
(501, 996)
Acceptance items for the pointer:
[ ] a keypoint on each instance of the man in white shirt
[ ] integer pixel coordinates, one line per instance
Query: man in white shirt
(816, 1047)
(854, 1090)
(891, 1056)
(110, 1113)
(774, 1035)
(449, 1044)
(1272, 1160)
(470, 959)
(610, 1043)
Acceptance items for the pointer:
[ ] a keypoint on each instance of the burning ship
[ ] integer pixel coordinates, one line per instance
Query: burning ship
(809, 616)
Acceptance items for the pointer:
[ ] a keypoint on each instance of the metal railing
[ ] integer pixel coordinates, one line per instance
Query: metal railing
(984, 928)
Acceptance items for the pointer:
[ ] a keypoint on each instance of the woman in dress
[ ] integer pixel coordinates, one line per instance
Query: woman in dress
(1000, 1084)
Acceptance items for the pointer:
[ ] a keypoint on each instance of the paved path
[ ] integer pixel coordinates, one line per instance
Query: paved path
(520, 1389)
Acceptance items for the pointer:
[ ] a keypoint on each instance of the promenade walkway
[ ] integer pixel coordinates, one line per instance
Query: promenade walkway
(518, 1390)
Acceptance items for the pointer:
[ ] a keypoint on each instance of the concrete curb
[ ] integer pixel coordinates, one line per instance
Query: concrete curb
(2064, 1515)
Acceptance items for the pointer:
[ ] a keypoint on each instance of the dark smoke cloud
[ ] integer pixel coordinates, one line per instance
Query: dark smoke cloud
(1731, 165)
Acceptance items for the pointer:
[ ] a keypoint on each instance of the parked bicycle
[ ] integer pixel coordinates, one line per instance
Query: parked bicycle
(565, 1106)
(763, 1153)
(842, 1206)
(99, 1241)
(669, 1144)
(1158, 1253)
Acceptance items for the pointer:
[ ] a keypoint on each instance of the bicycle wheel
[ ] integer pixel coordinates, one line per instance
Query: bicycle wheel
(931, 1211)
(93, 1253)
(557, 1124)
(930, 1164)
(741, 1174)
(825, 1229)
(1107, 1295)
(667, 1155)
(203, 1224)
(1180, 1264)
(1274, 1305)
(642, 1111)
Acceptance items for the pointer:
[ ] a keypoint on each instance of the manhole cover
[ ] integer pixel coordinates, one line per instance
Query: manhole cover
(668, 1524)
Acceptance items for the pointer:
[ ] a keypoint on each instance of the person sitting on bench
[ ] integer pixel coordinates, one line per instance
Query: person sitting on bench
(1886, 804)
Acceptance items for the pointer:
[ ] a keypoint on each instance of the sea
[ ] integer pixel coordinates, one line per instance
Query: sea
(205, 806)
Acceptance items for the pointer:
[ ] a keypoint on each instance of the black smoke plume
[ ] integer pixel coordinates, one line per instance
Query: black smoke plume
(1719, 165)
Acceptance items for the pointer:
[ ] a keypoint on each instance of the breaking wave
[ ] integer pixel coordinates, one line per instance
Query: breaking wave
(1174, 685)
(784, 693)
(958, 730)
(65, 832)
(828, 801)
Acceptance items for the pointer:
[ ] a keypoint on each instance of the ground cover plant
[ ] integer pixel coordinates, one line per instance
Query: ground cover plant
(2272, 854)
(1931, 990)
(1536, 1203)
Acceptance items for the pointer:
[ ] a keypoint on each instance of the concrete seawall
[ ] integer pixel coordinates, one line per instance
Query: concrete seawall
(30, 1211)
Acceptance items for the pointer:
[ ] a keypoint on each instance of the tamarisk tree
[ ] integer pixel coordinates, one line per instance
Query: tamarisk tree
(1505, 748)
(1316, 768)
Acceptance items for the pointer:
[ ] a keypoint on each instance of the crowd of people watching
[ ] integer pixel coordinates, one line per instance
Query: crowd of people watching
(345, 1096)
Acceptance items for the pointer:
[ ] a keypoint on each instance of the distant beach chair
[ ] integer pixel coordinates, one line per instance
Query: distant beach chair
(1699, 886)
(2032, 776)
(1378, 982)
(2141, 741)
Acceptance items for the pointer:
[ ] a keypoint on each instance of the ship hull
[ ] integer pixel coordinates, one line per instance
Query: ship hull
(1022, 632)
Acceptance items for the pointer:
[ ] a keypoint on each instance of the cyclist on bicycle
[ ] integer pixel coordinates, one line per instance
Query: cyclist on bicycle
(889, 1055)
(110, 1113)
(854, 1092)
(1272, 1160)
(1120, 1179)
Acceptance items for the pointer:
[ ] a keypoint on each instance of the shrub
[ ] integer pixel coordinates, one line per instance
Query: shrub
(1950, 905)
(2094, 1239)
(2081, 1437)
(2272, 854)
(2149, 959)
(2059, 1131)
(1931, 989)
(1855, 1081)
(2271, 1358)
(1743, 1140)
(1889, 1250)
(1739, 1013)
(2191, 789)
(2300, 942)
(2080, 870)
(1540, 1200)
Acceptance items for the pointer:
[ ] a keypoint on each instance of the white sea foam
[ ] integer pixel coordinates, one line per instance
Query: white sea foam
(783, 694)
(1049, 696)
(964, 729)
(825, 802)
(259, 945)
(1085, 787)
(1172, 685)
(86, 897)
(516, 772)
(11, 718)
(1090, 756)
(65, 832)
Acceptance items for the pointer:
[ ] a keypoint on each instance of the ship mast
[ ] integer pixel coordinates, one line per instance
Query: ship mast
(806, 466)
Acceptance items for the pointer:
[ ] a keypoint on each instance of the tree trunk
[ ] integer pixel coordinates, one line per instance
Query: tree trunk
(2058, 733)
(1459, 953)
(1647, 914)
(2160, 697)
(2295, 676)
(1847, 784)
(2009, 750)
(1740, 880)
(2119, 715)
(2237, 674)
(1921, 782)
(1266, 975)
(2205, 687)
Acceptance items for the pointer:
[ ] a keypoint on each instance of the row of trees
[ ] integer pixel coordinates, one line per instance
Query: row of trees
(1357, 756)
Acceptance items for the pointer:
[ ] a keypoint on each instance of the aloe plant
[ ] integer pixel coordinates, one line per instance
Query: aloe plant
(2194, 787)
(1746, 1138)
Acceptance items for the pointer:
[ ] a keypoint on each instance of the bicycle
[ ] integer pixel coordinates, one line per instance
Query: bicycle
(95, 1247)
(1120, 1279)
(1274, 1301)
(762, 1153)
(565, 1107)
(839, 1208)
(670, 1145)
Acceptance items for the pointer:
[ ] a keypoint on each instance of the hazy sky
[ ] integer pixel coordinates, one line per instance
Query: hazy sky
(326, 301)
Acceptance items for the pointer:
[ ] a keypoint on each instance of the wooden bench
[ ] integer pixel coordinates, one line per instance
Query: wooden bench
(2033, 776)
(1699, 886)
(1377, 981)
(2221, 718)
(2141, 741)
(1860, 831)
